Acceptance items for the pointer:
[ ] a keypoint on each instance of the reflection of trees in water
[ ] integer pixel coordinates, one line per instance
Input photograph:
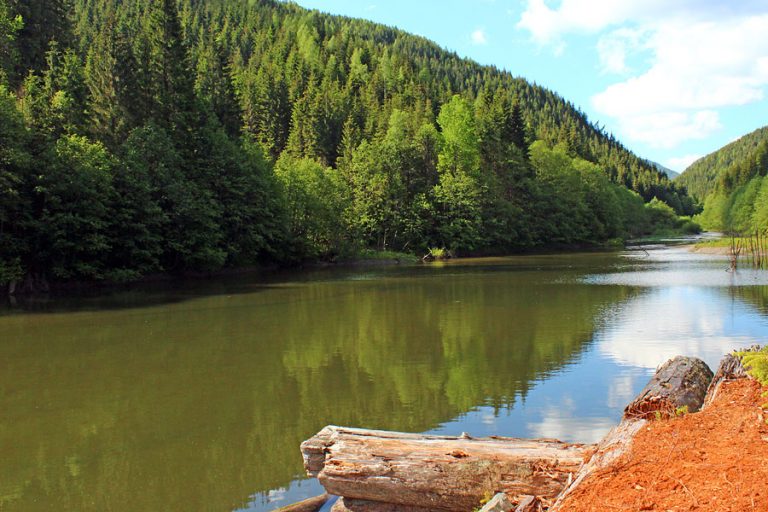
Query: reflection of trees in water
(757, 296)
(205, 402)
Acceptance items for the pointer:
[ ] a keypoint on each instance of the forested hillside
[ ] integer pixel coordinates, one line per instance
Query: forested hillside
(736, 191)
(701, 177)
(154, 136)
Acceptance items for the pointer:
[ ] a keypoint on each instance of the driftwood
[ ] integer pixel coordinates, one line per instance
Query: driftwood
(437, 472)
(308, 505)
(353, 505)
(499, 503)
(679, 385)
(377, 471)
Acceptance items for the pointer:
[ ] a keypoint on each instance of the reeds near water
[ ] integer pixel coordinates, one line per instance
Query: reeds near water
(753, 247)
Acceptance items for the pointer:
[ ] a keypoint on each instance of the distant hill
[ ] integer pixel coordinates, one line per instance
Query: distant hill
(666, 170)
(700, 178)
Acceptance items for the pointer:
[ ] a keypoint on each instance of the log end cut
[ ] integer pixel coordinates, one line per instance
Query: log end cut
(679, 385)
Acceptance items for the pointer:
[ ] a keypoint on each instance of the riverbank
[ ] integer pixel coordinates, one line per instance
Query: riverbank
(711, 460)
(689, 440)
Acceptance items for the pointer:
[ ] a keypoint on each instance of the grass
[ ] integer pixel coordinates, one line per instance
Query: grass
(756, 364)
(717, 242)
(439, 253)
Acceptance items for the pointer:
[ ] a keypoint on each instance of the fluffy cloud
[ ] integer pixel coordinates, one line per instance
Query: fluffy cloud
(479, 37)
(703, 56)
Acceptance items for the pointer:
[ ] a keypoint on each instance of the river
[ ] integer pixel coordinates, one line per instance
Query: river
(196, 396)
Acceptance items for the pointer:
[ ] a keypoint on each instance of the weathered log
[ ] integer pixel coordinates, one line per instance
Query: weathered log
(308, 505)
(499, 503)
(437, 472)
(615, 443)
(353, 505)
(730, 369)
(529, 504)
(679, 384)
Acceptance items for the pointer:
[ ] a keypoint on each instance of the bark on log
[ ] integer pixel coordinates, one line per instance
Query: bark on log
(499, 503)
(730, 369)
(681, 382)
(529, 504)
(308, 505)
(436, 472)
(353, 505)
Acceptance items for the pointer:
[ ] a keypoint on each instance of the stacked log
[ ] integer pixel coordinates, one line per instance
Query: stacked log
(378, 471)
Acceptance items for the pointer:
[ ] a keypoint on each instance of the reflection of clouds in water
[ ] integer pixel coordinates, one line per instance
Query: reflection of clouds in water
(621, 390)
(566, 423)
(700, 322)
(488, 419)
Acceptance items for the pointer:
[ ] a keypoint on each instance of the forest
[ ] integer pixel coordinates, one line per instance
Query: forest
(731, 183)
(157, 136)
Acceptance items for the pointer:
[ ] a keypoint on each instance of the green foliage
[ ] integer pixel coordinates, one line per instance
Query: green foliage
(10, 25)
(661, 215)
(729, 166)
(314, 197)
(74, 221)
(756, 363)
(439, 253)
(185, 136)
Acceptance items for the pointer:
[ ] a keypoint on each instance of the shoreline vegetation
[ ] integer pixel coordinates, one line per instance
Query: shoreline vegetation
(188, 138)
(40, 285)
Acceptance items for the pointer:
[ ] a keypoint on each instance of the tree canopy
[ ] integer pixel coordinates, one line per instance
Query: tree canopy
(176, 136)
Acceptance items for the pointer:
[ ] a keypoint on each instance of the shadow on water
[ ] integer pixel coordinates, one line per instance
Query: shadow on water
(205, 398)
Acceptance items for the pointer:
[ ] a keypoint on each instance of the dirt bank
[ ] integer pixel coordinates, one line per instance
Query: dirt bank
(715, 460)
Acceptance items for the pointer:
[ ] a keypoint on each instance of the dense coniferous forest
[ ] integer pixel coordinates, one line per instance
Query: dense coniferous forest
(732, 184)
(701, 177)
(162, 136)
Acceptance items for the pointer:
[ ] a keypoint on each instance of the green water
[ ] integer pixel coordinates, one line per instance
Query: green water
(196, 397)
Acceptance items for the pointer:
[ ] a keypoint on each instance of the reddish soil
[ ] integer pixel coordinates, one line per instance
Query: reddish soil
(715, 461)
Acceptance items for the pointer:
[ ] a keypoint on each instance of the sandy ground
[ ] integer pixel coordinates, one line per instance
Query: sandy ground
(715, 461)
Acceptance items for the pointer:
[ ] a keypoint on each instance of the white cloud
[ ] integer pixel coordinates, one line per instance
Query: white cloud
(614, 48)
(704, 55)
(668, 129)
(681, 163)
(479, 37)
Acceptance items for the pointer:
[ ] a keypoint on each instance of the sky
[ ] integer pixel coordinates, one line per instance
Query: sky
(674, 80)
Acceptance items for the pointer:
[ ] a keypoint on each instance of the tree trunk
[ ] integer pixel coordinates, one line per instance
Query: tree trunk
(435, 472)
(353, 505)
(679, 385)
(730, 369)
(680, 382)
(308, 505)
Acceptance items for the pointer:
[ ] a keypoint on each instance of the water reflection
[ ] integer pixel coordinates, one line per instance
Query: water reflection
(198, 399)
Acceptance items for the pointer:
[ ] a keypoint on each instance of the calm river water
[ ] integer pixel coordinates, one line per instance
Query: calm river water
(196, 397)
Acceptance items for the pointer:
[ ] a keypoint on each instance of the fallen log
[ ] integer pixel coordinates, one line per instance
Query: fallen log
(730, 368)
(437, 472)
(353, 505)
(308, 505)
(678, 386)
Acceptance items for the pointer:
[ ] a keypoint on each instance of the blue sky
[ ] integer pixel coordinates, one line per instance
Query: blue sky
(673, 80)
